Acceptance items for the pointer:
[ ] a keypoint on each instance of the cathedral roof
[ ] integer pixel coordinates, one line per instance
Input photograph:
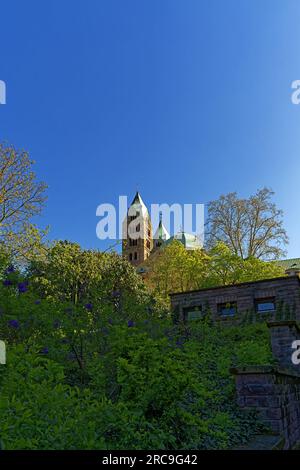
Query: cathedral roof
(189, 240)
(292, 263)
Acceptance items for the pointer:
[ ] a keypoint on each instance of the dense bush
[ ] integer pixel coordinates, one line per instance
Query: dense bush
(90, 376)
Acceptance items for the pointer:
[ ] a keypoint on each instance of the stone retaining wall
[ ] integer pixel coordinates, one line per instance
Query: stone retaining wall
(274, 391)
(275, 394)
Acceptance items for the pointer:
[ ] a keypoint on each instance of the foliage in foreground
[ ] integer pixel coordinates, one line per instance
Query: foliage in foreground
(78, 379)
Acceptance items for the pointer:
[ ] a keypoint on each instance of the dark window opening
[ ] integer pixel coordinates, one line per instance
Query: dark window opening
(265, 305)
(227, 309)
(135, 255)
(192, 313)
(130, 257)
(138, 227)
(133, 217)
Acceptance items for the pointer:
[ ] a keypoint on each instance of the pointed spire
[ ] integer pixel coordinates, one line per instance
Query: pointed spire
(139, 204)
(161, 232)
(137, 199)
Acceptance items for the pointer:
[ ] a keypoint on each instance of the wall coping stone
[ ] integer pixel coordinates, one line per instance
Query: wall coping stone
(252, 370)
(274, 323)
(264, 442)
(237, 285)
(268, 369)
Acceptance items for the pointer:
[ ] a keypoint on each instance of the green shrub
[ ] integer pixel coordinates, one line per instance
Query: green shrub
(78, 379)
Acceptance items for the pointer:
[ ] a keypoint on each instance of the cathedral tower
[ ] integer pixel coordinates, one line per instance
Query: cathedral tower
(161, 235)
(137, 232)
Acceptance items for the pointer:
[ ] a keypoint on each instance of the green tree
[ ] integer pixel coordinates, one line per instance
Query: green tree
(21, 198)
(175, 269)
(70, 274)
(27, 245)
(226, 267)
(67, 272)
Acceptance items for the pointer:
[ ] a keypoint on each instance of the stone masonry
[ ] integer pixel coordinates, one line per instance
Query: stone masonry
(274, 391)
(284, 290)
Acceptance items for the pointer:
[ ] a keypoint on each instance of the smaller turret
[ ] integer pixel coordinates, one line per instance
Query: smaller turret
(161, 234)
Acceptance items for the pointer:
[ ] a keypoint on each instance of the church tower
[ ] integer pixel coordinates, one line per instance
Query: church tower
(137, 232)
(161, 235)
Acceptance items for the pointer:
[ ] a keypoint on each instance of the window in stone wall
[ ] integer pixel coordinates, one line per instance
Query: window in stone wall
(265, 305)
(192, 313)
(227, 309)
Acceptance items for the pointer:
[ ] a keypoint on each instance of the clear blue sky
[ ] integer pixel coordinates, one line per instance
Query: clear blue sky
(184, 99)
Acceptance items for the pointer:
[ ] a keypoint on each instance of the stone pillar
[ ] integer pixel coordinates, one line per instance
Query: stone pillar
(283, 333)
(275, 395)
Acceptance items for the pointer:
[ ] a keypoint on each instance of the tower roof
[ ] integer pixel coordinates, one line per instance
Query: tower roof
(161, 232)
(137, 199)
(139, 205)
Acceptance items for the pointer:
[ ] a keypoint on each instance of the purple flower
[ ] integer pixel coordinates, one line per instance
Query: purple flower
(10, 269)
(7, 282)
(130, 323)
(14, 324)
(146, 322)
(89, 306)
(115, 293)
(110, 321)
(37, 302)
(44, 351)
(179, 342)
(22, 286)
